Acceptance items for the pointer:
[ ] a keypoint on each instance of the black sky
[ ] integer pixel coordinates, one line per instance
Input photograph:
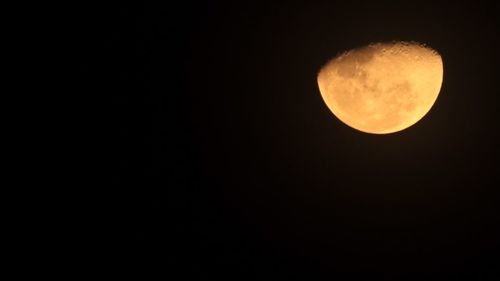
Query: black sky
(229, 165)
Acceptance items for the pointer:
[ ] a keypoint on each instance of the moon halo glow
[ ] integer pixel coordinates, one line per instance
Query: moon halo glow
(382, 88)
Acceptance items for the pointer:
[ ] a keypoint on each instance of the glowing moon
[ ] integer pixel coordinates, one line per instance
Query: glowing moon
(382, 88)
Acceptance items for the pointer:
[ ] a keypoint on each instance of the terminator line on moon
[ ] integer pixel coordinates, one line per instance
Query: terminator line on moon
(382, 88)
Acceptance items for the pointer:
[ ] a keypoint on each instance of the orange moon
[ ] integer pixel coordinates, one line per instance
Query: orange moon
(382, 88)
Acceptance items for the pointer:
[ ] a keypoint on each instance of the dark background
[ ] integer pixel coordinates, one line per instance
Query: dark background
(226, 163)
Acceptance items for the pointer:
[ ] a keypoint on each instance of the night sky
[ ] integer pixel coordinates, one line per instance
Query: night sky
(228, 164)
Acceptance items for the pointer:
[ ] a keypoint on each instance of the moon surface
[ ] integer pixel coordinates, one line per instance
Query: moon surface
(382, 88)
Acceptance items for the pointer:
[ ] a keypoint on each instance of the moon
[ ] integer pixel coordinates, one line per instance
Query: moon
(382, 88)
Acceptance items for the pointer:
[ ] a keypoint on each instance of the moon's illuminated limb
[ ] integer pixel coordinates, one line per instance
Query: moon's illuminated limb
(382, 88)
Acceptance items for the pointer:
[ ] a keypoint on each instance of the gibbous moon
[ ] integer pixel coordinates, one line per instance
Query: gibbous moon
(382, 88)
